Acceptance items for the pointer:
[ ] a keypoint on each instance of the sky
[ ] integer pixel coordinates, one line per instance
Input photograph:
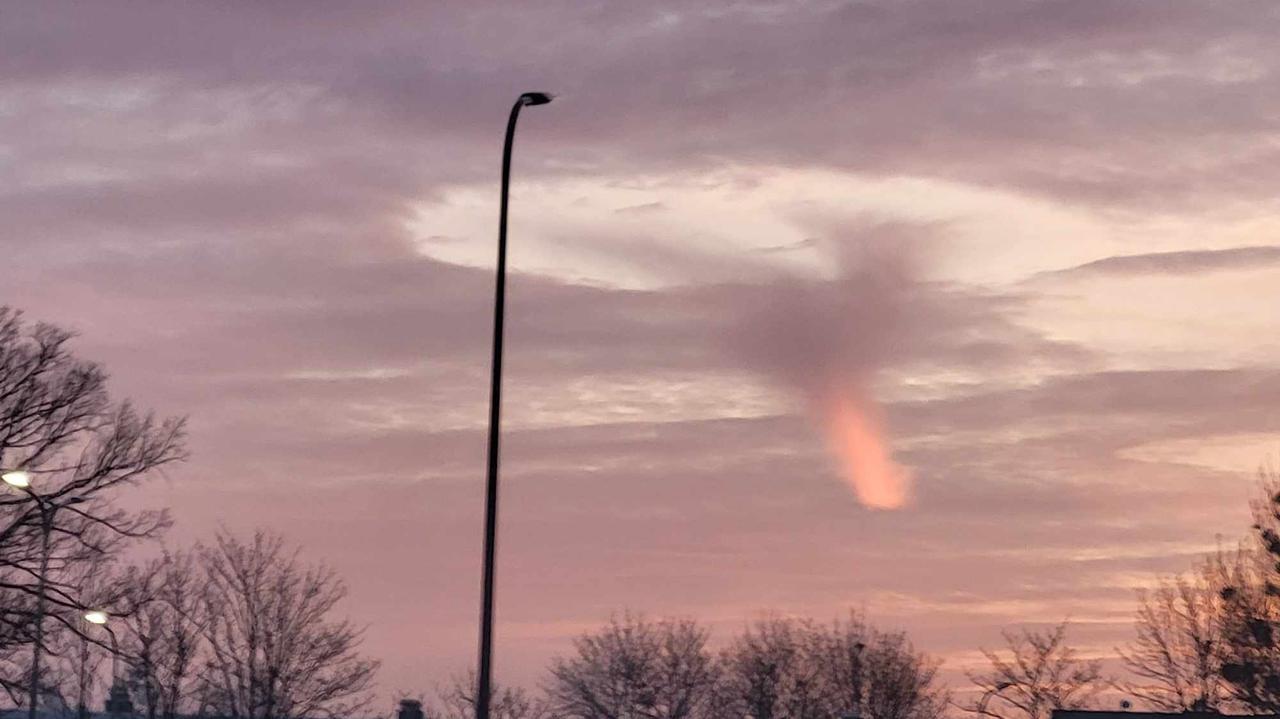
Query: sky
(1031, 245)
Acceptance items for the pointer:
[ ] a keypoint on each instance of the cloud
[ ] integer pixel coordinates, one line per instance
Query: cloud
(827, 342)
(646, 208)
(1183, 262)
(227, 232)
(806, 243)
(1113, 103)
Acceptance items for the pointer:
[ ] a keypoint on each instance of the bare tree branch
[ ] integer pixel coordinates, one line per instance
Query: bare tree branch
(58, 423)
(1040, 673)
(635, 669)
(273, 652)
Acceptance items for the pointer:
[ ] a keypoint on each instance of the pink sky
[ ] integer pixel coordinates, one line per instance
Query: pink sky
(279, 220)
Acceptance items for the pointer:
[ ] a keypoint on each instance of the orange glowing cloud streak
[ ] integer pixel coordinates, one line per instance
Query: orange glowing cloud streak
(856, 437)
(826, 340)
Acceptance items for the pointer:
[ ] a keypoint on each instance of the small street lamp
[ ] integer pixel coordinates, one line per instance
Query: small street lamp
(99, 618)
(18, 478)
(118, 696)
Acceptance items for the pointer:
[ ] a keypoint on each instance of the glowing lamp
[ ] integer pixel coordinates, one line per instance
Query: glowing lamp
(16, 478)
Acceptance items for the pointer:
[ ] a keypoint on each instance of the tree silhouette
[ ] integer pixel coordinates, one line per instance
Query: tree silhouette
(782, 668)
(635, 669)
(1177, 653)
(163, 633)
(272, 649)
(458, 701)
(79, 449)
(1251, 608)
(770, 671)
(1040, 673)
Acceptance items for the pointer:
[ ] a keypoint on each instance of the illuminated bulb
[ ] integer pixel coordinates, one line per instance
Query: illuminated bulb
(95, 617)
(16, 478)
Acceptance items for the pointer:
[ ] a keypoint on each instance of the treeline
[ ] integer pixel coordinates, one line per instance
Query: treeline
(230, 628)
(243, 627)
(778, 667)
(1209, 639)
(1205, 641)
(233, 627)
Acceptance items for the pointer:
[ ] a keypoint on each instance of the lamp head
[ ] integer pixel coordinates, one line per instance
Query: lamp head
(96, 617)
(16, 478)
(536, 98)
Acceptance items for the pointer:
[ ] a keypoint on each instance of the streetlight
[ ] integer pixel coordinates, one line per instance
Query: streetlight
(495, 406)
(18, 478)
(99, 618)
(21, 479)
(118, 696)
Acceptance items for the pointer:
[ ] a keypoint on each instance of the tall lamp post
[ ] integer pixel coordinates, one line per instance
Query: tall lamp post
(484, 688)
(21, 479)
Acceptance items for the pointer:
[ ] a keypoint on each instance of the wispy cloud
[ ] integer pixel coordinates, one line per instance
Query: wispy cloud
(1183, 262)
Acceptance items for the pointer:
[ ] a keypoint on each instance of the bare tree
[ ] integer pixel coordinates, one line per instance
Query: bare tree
(635, 669)
(1040, 673)
(163, 633)
(1250, 622)
(880, 675)
(1177, 654)
(458, 701)
(274, 652)
(796, 669)
(60, 428)
(769, 672)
